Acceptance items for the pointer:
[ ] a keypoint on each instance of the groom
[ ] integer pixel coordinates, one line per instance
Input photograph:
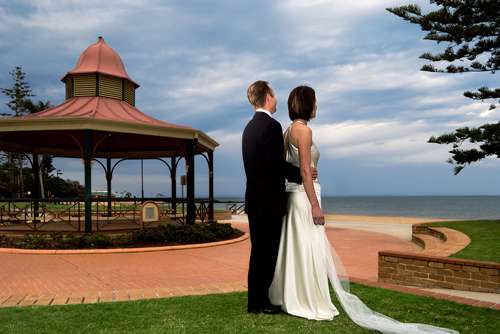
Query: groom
(265, 196)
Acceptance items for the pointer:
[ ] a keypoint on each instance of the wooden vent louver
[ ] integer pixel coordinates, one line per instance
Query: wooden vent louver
(85, 85)
(129, 94)
(110, 86)
(98, 84)
(69, 88)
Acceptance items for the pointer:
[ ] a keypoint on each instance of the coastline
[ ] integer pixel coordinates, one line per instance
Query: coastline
(346, 218)
(413, 208)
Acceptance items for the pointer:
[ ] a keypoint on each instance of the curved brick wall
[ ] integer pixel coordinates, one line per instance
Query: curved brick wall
(438, 272)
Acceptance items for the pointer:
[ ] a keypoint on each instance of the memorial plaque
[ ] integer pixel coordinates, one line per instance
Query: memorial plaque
(150, 212)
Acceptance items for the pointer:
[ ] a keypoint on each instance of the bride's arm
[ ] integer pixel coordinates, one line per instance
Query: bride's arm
(304, 145)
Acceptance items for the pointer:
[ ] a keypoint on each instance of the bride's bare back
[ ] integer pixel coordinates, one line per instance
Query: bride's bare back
(301, 138)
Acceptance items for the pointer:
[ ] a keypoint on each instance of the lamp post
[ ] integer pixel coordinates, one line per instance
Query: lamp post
(183, 183)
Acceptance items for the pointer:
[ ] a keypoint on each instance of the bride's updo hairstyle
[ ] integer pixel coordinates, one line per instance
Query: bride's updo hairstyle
(301, 103)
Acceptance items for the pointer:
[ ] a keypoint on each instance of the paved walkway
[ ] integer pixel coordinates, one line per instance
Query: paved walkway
(455, 242)
(27, 279)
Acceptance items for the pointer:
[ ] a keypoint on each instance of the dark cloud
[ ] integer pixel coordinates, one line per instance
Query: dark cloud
(194, 60)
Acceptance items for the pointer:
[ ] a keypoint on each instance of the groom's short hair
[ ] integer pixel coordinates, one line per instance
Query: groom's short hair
(257, 93)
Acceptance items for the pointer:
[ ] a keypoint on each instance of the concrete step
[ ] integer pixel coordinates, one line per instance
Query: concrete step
(430, 244)
(434, 246)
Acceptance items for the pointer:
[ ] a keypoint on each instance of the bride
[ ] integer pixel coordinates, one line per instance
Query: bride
(306, 260)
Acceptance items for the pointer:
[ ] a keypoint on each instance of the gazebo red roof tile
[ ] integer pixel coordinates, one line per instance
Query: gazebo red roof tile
(104, 108)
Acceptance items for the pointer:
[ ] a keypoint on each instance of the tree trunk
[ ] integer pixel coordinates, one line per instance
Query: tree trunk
(21, 181)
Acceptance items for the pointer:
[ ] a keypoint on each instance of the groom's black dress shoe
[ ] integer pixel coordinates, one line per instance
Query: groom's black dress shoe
(269, 309)
(272, 309)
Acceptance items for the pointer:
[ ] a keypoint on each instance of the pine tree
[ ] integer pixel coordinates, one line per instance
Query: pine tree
(21, 104)
(471, 28)
(18, 95)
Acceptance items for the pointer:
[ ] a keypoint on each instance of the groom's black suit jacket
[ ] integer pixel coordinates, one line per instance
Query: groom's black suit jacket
(265, 166)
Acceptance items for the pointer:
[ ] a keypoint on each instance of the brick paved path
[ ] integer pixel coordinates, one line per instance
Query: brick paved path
(27, 279)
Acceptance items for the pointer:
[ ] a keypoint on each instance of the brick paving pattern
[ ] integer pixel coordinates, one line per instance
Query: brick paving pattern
(29, 279)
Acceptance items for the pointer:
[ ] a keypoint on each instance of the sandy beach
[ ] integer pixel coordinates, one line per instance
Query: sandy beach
(380, 219)
(330, 217)
(400, 227)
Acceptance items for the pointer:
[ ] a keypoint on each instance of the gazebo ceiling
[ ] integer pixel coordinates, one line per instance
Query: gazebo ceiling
(118, 128)
(105, 143)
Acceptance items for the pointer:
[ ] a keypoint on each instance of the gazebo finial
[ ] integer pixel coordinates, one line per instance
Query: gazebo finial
(100, 71)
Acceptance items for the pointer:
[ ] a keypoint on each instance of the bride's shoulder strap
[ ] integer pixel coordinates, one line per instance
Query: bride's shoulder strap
(286, 136)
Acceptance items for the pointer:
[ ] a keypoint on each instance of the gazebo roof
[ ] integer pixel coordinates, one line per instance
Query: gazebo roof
(118, 128)
(100, 58)
(104, 108)
(62, 136)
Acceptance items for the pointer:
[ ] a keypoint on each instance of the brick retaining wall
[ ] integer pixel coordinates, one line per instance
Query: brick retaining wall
(438, 272)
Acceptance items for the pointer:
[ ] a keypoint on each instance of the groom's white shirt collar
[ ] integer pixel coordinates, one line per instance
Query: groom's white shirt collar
(264, 111)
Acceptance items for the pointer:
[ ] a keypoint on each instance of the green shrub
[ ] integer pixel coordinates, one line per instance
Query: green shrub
(4, 241)
(184, 234)
(56, 237)
(60, 241)
(94, 240)
(35, 241)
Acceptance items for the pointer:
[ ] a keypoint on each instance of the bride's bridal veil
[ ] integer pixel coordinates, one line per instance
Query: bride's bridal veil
(361, 314)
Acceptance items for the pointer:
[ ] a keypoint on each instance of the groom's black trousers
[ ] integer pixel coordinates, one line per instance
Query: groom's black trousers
(265, 232)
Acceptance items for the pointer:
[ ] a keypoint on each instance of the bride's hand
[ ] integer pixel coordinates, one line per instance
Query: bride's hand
(318, 216)
(314, 173)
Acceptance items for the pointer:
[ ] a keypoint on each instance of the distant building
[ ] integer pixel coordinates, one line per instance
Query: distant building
(102, 193)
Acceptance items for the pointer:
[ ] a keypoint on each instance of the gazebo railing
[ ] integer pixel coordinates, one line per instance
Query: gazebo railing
(236, 207)
(67, 214)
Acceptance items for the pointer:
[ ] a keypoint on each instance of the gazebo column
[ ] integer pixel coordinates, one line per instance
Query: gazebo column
(210, 186)
(191, 207)
(142, 180)
(173, 178)
(109, 176)
(87, 156)
(36, 187)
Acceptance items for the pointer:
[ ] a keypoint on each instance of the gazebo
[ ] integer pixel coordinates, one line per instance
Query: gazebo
(99, 120)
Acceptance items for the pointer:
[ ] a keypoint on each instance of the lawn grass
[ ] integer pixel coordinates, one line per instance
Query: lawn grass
(484, 235)
(226, 313)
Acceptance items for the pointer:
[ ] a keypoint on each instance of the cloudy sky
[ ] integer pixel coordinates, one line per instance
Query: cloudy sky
(195, 59)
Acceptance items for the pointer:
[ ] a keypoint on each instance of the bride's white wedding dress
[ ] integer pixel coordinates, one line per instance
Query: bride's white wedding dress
(307, 261)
